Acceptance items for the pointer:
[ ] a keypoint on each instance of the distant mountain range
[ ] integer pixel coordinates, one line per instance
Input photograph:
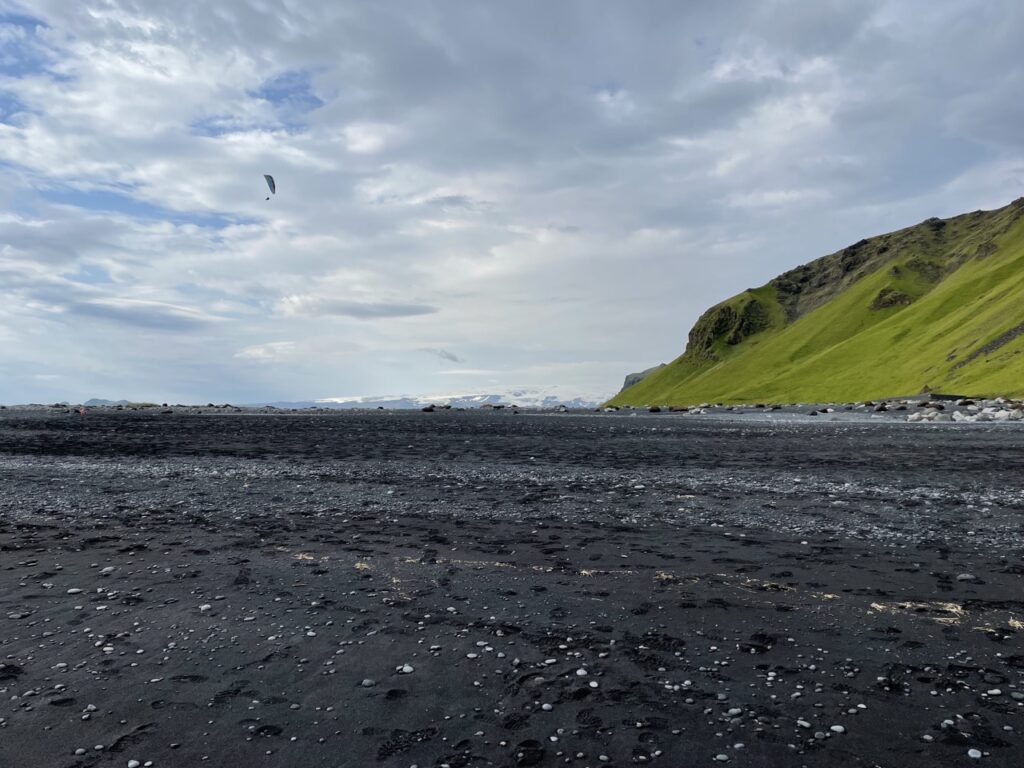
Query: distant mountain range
(936, 307)
(524, 397)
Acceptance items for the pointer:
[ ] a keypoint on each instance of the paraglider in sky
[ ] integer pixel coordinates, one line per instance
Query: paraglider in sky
(270, 184)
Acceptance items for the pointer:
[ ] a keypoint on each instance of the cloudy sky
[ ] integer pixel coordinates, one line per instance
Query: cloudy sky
(471, 195)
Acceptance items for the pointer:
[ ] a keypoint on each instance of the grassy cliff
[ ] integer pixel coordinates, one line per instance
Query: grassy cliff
(938, 306)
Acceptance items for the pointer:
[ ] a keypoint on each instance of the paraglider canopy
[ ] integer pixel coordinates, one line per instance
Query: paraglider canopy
(270, 184)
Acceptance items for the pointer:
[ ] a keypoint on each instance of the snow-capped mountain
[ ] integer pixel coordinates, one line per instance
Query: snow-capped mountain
(524, 397)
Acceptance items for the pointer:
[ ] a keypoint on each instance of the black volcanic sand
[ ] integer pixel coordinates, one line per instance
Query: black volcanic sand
(565, 589)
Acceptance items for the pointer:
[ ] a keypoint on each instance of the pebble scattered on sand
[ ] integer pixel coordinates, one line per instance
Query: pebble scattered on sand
(689, 596)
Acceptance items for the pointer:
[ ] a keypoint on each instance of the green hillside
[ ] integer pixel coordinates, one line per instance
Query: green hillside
(938, 306)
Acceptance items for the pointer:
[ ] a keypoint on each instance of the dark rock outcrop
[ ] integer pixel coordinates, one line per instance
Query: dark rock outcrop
(890, 297)
(633, 378)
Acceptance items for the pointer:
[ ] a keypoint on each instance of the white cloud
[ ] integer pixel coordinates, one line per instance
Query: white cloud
(554, 208)
(367, 138)
(271, 352)
(363, 310)
(616, 103)
(140, 313)
(752, 61)
(772, 198)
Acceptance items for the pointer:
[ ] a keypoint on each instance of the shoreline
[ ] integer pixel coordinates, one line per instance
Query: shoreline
(937, 410)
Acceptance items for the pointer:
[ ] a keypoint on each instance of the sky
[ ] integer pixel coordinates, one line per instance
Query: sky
(470, 196)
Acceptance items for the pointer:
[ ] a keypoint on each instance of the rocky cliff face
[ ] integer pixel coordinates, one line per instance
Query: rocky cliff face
(728, 323)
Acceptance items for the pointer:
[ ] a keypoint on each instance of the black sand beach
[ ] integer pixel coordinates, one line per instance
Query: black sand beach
(489, 589)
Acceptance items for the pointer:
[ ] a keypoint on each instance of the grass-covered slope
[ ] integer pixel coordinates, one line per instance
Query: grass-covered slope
(938, 306)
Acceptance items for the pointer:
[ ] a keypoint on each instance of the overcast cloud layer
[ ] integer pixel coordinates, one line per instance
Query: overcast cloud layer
(470, 195)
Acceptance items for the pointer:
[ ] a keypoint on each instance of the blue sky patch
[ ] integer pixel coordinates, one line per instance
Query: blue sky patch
(122, 202)
(21, 51)
(222, 125)
(291, 93)
(10, 107)
(216, 126)
(90, 274)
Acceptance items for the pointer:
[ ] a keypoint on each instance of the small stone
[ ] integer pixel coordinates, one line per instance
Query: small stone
(134, 764)
(837, 729)
(546, 707)
(368, 683)
(966, 577)
(74, 591)
(722, 758)
(406, 669)
(974, 754)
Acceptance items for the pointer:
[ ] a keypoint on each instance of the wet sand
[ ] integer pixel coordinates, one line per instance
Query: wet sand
(490, 589)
